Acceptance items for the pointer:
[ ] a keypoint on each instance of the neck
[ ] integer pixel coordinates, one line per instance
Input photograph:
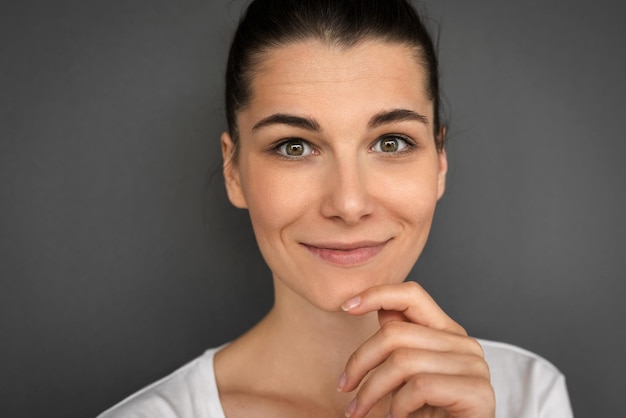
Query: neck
(298, 339)
(329, 336)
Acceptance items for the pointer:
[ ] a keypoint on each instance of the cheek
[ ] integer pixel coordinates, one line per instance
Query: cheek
(410, 192)
(275, 198)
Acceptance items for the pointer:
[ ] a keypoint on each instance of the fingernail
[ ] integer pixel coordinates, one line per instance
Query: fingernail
(351, 304)
(351, 408)
(389, 415)
(342, 382)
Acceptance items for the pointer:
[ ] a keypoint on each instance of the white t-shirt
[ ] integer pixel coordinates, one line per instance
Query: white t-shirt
(525, 384)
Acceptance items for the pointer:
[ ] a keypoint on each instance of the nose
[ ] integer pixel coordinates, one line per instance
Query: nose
(346, 192)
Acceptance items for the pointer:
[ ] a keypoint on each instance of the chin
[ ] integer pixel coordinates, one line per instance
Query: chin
(328, 296)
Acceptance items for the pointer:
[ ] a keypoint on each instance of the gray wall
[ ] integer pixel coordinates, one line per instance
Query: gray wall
(120, 258)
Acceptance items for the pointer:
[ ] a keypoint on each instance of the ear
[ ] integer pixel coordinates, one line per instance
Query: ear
(443, 164)
(231, 173)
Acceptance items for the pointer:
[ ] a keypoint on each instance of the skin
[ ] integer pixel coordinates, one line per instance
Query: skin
(340, 224)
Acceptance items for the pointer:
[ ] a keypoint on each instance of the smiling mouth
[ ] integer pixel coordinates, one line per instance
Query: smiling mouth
(347, 255)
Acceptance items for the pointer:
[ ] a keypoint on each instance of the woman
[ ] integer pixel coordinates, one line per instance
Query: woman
(336, 149)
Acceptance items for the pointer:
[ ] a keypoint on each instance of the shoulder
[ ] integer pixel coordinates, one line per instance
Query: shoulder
(526, 385)
(190, 391)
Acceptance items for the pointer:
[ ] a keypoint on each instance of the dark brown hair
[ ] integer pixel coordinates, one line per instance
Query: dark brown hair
(268, 24)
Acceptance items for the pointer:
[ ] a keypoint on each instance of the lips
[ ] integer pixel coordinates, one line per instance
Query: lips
(347, 254)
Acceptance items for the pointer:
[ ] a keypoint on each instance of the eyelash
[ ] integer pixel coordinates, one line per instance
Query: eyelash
(277, 149)
(407, 145)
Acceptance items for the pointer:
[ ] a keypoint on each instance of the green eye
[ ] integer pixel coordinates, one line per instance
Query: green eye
(390, 144)
(294, 148)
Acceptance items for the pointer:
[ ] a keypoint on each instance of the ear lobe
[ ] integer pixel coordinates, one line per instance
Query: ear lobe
(443, 164)
(232, 180)
(443, 171)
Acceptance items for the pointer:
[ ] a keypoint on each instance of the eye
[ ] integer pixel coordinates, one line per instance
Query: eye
(294, 148)
(391, 144)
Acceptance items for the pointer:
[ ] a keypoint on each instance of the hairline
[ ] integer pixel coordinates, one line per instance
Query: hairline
(344, 45)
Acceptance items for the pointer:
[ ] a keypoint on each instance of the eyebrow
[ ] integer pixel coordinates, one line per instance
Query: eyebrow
(290, 120)
(395, 115)
(381, 118)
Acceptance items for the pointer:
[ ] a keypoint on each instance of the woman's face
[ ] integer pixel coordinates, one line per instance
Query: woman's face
(338, 167)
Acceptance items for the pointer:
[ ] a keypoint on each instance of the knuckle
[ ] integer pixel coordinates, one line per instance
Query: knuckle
(399, 357)
(458, 329)
(484, 370)
(390, 329)
(420, 383)
(484, 391)
(455, 328)
(475, 347)
(413, 287)
(478, 367)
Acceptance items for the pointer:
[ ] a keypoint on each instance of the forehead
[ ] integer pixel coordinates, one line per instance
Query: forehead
(313, 77)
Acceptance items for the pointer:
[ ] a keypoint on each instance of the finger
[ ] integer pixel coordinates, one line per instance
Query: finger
(386, 316)
(459, 396)
(402, 364)
(395, 335)
(408, 298)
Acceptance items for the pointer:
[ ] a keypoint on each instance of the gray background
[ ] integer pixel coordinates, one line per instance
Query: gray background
(120, 258)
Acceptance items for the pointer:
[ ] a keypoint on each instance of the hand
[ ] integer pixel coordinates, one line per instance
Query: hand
(420, 356)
